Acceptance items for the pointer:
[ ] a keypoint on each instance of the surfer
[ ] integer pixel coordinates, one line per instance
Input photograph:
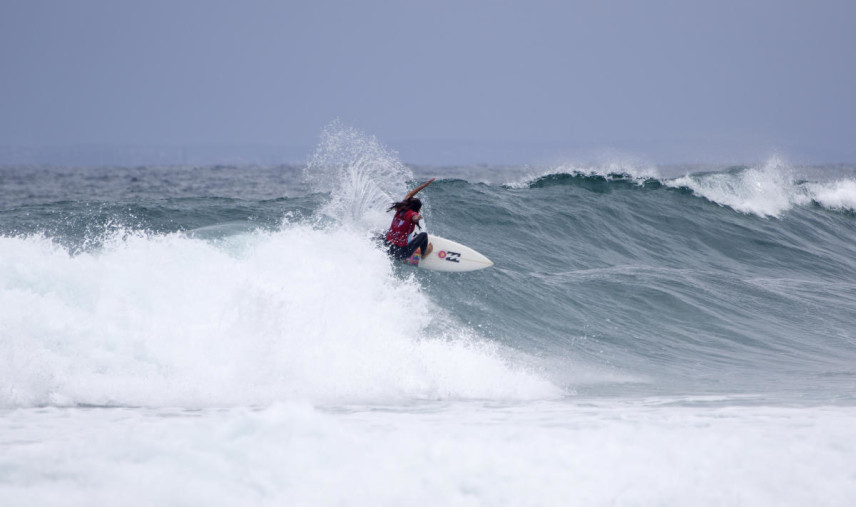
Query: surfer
(406, 218)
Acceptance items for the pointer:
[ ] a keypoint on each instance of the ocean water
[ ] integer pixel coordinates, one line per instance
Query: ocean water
(233, 335)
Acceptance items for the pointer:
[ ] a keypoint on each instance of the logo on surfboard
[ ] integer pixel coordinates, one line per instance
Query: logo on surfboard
(449, 256)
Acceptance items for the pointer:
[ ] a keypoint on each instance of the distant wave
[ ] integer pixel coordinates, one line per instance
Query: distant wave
(767, 190)
(594, 182)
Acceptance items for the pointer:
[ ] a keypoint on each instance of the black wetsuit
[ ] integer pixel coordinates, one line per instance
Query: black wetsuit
(403, 252)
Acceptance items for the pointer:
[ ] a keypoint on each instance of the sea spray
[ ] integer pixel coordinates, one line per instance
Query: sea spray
(361, 175)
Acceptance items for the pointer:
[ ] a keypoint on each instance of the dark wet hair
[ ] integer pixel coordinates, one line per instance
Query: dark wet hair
(412, 204)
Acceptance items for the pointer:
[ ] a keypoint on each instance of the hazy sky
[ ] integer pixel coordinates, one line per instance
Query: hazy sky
(662, 80)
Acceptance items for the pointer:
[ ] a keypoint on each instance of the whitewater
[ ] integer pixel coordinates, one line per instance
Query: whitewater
(233, 335)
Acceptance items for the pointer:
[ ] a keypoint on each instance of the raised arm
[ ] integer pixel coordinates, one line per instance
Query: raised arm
(417, 189)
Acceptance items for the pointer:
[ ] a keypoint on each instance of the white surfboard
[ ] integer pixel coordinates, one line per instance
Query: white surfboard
(449, 255)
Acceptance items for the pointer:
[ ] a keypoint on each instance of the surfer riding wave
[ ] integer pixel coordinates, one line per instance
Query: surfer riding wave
(405, 220)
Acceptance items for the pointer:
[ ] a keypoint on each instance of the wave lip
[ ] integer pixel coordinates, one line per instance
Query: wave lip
(836, 195)
(605, 173)
(766, 191)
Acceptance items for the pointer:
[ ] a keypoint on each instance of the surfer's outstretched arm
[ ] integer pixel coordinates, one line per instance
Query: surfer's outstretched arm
(417, 189)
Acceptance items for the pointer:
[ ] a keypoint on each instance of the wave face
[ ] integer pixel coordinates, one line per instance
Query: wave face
(249, 285)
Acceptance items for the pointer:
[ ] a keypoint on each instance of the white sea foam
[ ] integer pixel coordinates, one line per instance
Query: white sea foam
(302, 313)
(537, 453)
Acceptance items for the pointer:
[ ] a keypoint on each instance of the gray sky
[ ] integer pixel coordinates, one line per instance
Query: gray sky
(437, 80)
